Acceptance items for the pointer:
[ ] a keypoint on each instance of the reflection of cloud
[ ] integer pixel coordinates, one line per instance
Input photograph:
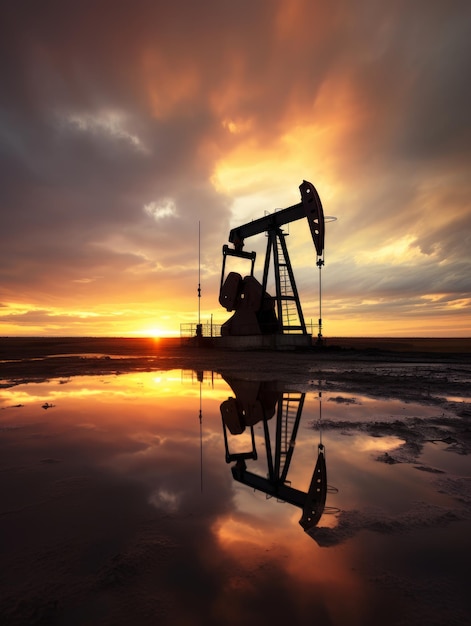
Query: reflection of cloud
(87, 426)
(165, 500)
(235, 530)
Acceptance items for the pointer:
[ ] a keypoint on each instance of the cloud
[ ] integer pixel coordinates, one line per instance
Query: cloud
(166, 208)
(124, 127)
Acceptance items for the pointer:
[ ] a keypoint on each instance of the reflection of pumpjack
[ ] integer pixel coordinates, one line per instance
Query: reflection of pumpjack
(258, 402)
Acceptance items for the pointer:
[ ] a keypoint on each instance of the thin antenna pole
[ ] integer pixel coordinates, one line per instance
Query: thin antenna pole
(201, 439)
(320, 300)
(320, 414)
(319, 264)
(199, 273)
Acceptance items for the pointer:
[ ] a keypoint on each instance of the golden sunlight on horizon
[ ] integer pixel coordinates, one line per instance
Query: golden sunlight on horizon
(153, 332)
(337, 322)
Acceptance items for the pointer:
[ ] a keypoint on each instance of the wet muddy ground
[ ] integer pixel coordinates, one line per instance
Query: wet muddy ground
(439, 370)
(38, 358)
(104, 518)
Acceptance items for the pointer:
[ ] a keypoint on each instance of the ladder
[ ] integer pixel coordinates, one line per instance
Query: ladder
(289, 310)
(289, 415)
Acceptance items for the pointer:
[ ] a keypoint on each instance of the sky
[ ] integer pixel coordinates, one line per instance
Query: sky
(135, 134)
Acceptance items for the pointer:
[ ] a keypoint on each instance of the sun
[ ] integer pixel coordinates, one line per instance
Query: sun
(154, 332)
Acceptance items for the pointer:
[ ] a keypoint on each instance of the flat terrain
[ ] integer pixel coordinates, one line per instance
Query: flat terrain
(47, 355)
(406, 367)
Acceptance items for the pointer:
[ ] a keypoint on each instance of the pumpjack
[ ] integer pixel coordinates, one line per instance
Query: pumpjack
(257, 403)
(256, 312)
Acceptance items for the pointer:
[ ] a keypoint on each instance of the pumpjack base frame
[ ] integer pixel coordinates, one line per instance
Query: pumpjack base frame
(265, 342)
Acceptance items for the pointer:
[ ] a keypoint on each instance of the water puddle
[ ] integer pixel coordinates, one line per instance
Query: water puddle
(183, 497)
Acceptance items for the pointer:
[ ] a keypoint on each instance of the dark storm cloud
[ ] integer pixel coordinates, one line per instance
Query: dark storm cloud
(67, 73)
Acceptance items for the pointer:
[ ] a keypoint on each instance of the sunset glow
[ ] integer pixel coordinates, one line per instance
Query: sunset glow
(207, 117)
